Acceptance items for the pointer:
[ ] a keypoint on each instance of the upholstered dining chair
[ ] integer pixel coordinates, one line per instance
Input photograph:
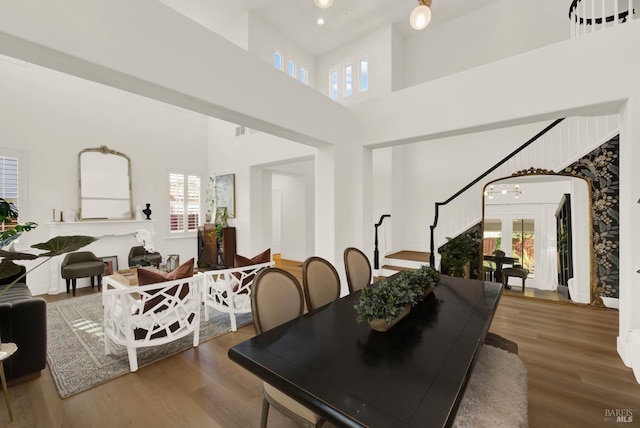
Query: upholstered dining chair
(276, 299)
(358, 269)
(320, 281)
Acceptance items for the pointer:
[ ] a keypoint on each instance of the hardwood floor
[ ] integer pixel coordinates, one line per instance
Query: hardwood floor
(535, 293)
(570, 354)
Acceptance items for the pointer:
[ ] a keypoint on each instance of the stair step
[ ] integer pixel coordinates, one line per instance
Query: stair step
(406, 259)
(415, 256)
(396, 268)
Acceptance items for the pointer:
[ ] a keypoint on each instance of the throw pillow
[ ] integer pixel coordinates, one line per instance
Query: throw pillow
(242, 261)
(149, 276)
(263, 257)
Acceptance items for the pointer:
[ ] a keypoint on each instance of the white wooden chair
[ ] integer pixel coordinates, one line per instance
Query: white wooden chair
(229, 290)
(151, 315)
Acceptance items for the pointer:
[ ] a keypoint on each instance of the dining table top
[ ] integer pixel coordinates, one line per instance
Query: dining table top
(413, 375)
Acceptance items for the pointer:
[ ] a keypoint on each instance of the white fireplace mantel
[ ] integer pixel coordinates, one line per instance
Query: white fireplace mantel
(115, 237)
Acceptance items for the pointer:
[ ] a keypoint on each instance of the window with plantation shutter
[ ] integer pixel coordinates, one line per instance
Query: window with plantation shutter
(9, 188)
(193, 202)
(184, 202)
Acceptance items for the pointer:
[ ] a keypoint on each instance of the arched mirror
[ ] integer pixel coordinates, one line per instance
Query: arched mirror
(541, 223)
(105, 185)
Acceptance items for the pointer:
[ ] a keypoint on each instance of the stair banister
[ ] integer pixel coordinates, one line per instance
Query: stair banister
(432, 259)
(376, 255)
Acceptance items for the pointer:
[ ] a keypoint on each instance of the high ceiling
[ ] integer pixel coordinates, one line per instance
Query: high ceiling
(348, 20)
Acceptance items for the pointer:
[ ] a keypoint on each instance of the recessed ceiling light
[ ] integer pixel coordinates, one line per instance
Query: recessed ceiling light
(320, 21)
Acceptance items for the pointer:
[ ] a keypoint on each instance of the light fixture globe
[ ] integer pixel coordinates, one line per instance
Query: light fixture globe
(421, 15)
(323, 4)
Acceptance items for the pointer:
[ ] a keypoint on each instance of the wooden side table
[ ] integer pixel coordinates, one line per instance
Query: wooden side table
(6, 350)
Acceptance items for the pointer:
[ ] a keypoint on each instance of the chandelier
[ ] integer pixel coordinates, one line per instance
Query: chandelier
(503, 189)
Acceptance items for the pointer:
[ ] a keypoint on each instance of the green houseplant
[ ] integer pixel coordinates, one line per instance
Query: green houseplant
(457, 252)
(385, 303)
(53, 247)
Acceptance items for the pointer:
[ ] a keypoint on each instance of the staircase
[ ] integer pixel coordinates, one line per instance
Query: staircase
(554, 150)
(402, 260)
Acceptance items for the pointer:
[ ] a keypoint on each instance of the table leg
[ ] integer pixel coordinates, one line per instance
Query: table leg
(6, 392)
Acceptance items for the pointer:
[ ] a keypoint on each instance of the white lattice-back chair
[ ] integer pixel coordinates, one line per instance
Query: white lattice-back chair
(229, 290)
(151, 315)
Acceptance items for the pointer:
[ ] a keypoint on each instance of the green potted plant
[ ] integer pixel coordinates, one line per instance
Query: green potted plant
(456, 253)
(14, 273)
(222, 217)
(384, 304)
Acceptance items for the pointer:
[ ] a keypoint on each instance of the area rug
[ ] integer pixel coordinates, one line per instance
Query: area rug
(496, 395)
(75, 344)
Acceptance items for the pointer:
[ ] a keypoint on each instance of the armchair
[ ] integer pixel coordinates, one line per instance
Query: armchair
(150, 315)
(138, 254)
(229, 290)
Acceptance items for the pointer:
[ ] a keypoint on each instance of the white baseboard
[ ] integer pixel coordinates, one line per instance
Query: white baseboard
(623, 351)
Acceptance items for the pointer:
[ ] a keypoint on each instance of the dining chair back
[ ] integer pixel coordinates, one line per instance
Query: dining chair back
(358, 269)
(320, 281)
(277, 298)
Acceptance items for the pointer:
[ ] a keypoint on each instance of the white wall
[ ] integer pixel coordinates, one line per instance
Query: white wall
(53, 116)
(582, 240)
(228, 18)
(496, 31)
(264, 40)
(397, 60)
(240, 155)
(382, 165)
(293, 238)
(377, 47)
(427, 174)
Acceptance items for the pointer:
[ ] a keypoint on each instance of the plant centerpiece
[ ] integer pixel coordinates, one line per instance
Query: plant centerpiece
(384, 304)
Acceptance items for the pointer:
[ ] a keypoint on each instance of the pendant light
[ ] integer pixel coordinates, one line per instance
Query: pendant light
(421, 15)
(323, 4)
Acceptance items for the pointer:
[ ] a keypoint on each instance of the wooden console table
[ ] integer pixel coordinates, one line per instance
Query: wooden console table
(210, 254)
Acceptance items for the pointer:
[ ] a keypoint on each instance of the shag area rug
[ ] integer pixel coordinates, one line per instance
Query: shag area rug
(75, 344)
(496, 395)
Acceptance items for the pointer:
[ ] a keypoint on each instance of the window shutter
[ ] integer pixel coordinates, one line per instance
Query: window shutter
(9, 183)
(176, 202)
(184, 202)
(193, 204)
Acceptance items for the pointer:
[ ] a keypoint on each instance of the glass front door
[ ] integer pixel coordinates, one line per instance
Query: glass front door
(522, 243)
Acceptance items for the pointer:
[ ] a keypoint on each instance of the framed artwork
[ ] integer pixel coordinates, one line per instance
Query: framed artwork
(226, 193)
(110, 265)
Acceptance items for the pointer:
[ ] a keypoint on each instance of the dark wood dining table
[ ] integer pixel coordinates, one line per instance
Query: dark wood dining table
(500, 261)
(413, 375)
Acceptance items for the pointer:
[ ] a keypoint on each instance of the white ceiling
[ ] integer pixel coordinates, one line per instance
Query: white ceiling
(348, 20)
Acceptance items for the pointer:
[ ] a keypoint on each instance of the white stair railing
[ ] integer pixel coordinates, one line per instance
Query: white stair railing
(589, 16)
(555, 150)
